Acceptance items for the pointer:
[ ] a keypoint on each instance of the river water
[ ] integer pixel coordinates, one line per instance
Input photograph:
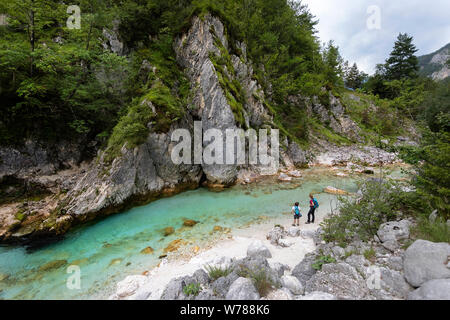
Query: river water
(109, 250)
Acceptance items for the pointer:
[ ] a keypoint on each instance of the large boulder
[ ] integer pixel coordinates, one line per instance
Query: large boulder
(293, 284)
(242, 289)
(222, 284)
(258, 249)
(276, 234)
(339, 279)
(130, 285)
(304, 270)
(394, 230)
(437, 289)
(425, 260)
(393, 282)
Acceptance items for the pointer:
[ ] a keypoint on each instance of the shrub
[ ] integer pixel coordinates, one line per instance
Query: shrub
(362, 216)
(369, 254)
(260, 279)
(437, 231)
(323, 260)
(216, 272)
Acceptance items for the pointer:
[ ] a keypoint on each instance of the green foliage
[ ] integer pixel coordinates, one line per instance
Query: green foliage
(402, 63)
(56, 89)
(369, 254)
(362, 216)
(434, 231)
(192, 289)
(317, 265)
(133, 128)
(260, 278)
(215, 272)
(333, 66)
(433, 170)
(20, 215)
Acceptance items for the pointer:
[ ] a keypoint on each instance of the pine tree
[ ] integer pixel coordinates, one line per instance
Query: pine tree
(354, 79)
(402, 63)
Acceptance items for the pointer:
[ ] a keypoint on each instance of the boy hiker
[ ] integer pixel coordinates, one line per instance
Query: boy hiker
(313, 205)
(297, 214)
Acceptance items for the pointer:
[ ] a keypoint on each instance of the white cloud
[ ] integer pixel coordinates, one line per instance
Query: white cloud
(345, 22)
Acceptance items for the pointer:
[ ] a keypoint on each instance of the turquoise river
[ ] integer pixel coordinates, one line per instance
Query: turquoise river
(108, 250)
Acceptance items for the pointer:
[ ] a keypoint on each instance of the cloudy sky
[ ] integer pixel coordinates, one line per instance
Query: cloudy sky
(367, 40)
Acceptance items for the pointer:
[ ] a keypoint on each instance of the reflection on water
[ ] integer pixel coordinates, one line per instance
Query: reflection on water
(110, 249)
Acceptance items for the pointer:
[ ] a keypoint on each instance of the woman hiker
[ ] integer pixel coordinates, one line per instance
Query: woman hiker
(313, 205)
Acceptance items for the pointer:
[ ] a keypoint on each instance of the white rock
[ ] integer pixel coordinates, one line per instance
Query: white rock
(293, 284)
(425, 260)
(242, 289)
(394, 230)
(285, 243)
(258, 249)
(295, 173)
(437, 289)
(294, 231)
(279, 294)
(284, 177)
(129, 285)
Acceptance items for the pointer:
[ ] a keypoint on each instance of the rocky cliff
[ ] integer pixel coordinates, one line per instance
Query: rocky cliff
(435, 65)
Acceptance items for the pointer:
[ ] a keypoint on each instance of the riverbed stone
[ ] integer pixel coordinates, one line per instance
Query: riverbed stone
(294, 231)
(257, 248)
(168, 231)
(129, 285)
(275, 234)
(437, 289)
(293, 284)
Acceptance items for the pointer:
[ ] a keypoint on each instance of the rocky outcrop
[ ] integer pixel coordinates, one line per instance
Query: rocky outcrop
(242, 289)
(146, 172)
(437, 289)
(425, 261)
(258, 249)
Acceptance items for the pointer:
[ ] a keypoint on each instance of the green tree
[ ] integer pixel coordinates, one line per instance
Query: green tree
(333, 65)
(354, 77)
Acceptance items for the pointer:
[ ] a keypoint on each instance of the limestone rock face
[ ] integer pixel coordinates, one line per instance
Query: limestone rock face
(425, 260)
(136, 174)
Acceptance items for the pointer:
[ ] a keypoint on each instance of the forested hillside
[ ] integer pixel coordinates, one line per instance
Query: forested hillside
(130, 75)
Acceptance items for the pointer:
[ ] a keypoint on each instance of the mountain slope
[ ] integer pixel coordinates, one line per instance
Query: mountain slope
(435, 64)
